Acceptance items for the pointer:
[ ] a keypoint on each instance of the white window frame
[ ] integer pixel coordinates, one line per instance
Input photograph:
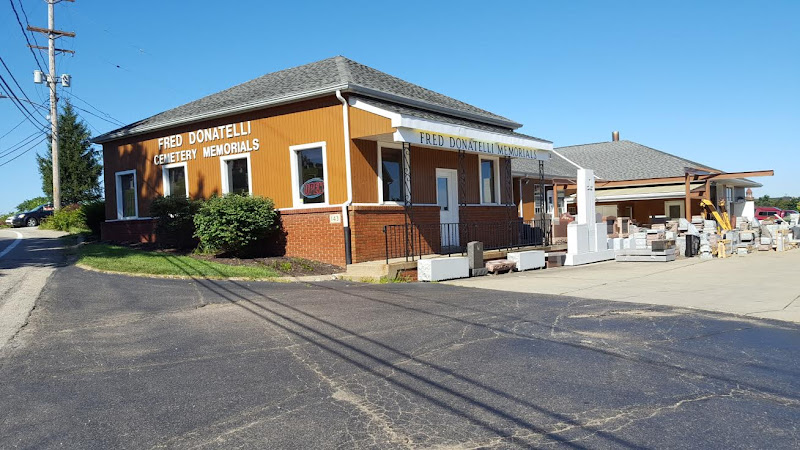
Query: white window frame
(680, 203)
(498, 196)
(381, 146)
(223, 167)
(118, 185)
(165, 177)
(297, 199)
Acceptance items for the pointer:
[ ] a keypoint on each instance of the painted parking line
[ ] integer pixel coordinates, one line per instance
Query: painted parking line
(12, 245)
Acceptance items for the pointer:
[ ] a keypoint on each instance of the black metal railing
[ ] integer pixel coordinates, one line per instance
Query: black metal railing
(415, 240)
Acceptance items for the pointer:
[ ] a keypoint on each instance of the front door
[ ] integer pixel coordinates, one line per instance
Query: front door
(447, 199)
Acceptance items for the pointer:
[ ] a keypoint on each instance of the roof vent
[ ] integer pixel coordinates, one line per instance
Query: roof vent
(615, 136)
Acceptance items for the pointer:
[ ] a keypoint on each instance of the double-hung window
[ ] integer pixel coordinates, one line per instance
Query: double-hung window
(236, 174)
(176, 182)
(309, 174)
(392, 174)
(127, 198)
(489, 180)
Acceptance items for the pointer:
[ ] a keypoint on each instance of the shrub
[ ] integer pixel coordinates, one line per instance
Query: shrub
(94, 214)
(69, 218)
(232, 223)
(3, 218)
(175, 217)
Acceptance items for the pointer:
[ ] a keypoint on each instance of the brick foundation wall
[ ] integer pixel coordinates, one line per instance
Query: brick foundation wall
(367, 222)
(308, 233)
(129, 231)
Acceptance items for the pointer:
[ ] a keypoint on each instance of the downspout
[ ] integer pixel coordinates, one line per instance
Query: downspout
(348, 249)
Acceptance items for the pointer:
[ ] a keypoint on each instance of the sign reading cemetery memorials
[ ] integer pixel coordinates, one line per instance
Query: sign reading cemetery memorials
(236, 135)
(471, 145)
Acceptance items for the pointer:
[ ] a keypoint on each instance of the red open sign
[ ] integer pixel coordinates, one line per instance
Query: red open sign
(313, 188)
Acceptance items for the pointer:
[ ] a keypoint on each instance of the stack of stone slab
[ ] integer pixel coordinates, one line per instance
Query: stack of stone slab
(647, 255)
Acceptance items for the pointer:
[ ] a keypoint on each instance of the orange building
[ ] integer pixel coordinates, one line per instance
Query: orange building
(361, 165)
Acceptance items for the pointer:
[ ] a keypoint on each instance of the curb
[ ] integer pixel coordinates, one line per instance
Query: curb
(285, 279)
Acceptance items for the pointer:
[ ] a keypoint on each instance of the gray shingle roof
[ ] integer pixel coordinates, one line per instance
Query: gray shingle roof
(627, 160)
(314, 79)
(423, 114)
(611, 161)
(555, 167)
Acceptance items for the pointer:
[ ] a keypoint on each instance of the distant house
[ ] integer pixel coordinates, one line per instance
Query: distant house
(632, 180)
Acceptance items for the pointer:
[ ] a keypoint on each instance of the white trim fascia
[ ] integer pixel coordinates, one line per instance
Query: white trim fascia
(297, 201)
(223, 167)
(165, 176)
(433, 107)
(118, 188)
(359, 104)
(498, 198)
(222, 112)
(407, 121)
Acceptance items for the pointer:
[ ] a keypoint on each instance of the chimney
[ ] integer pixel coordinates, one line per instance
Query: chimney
(615, 136)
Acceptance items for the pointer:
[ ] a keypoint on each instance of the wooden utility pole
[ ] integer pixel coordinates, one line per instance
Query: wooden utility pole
(52, 80)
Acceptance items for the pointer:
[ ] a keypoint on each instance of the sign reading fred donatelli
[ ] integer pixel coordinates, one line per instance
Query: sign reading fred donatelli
(513, 146)
(237, 132)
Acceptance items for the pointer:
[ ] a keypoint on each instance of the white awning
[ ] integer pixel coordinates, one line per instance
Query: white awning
(450, 136)
(640, 193)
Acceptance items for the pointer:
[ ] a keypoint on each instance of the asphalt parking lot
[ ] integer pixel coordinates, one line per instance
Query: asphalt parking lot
(108, 361)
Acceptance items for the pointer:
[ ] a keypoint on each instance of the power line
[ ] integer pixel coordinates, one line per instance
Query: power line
(15, 127)
(20, 87)
(24, 34)
(118, 122)
(21, 144)
(18, 104)
(26, 151)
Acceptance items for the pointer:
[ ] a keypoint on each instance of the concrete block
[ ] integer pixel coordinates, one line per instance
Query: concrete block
(475, 254)
(438, 269)
(577, 238)
(500, 266)
(587, 258)
(533, 259)
(478, 272)
(555, 259)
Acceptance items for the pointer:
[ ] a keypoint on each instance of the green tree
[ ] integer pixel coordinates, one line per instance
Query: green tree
(31, 203)
(79, 163)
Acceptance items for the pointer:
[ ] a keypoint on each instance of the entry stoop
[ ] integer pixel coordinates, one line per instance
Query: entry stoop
(375, 270)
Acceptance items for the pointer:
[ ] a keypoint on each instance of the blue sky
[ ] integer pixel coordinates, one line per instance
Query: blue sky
(715, 82)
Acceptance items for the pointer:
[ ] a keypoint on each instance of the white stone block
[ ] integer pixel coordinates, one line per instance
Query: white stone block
(533, 259)
(438, 269)
(588, 258)
(577, 238)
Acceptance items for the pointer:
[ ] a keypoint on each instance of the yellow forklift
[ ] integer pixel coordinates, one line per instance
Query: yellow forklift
(723, 220)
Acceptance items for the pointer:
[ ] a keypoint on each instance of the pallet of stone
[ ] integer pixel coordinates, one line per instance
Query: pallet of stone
(646, 255)
(497, 266)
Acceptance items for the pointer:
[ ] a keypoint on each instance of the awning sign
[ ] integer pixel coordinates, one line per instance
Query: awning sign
(467, 144)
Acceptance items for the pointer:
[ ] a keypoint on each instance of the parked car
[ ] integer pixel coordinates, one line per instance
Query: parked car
(766, 212)
(31, 218)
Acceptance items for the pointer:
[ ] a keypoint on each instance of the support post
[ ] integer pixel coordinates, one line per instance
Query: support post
(407, 201)
(688, 199)
(51, 52)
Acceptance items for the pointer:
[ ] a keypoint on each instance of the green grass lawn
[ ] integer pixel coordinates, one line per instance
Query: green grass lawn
(128, 260)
